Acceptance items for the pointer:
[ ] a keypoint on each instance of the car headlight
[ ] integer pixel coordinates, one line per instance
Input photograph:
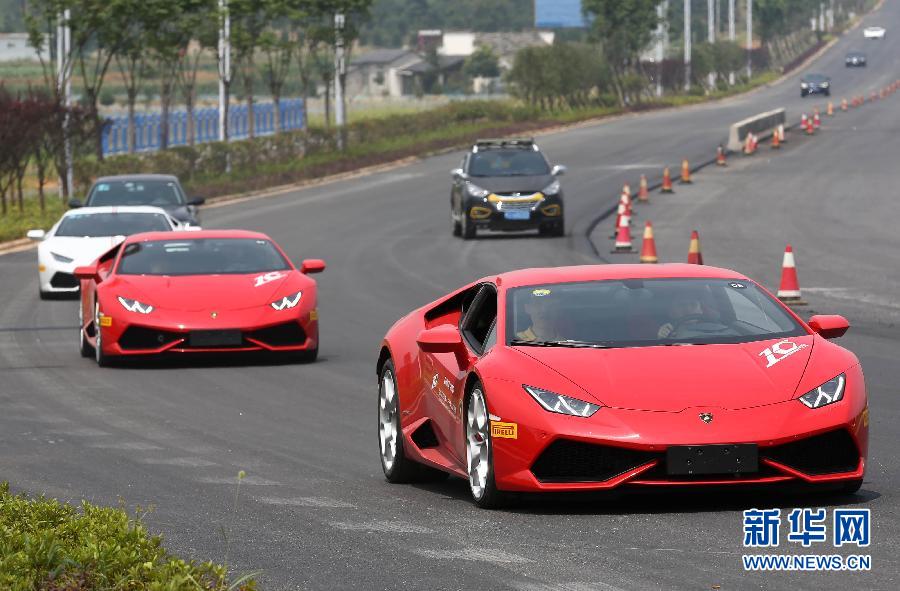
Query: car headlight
(288, 301)
(476, 191)
(825, 85)
(60, 258)
(552, 188)
(135, 306)
(564, 405)
(804, 85)
(828, 393)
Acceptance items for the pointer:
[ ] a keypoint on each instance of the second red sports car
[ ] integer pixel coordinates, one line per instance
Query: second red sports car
(205, 291)
(619, 376)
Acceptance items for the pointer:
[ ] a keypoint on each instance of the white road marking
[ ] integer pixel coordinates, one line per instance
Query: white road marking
(316, 502)
(387, 527)
(180, 462)
(475, 554)
(248, 480)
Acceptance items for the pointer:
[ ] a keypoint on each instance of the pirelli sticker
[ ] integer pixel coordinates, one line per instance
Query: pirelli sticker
(106, 321)
(503, 430)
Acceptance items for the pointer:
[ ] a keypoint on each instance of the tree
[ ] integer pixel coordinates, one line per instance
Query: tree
(482, 64)
(248, 20)
(205, 36)
(622, 28)
(280, 42)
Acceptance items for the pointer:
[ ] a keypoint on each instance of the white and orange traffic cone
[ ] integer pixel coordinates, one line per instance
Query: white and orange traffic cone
(830, 110)
(643, 192)
(843, 104)
(685, 172)
(776, 139)
(748, 144)
(666, 182)
(720, 157)
(803, 120)
(789, 290)
(782, 137)
(695, 257)
(623, 238)
(648, 248)
(626, 191)
(810, 128)
(816, 120)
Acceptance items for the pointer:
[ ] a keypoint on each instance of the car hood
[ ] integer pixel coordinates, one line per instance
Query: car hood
(513, 184)
(674, 378)
(83, 250)
(207, 292)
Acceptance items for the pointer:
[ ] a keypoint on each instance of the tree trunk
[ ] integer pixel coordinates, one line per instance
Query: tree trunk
(327, 105)
(20, 174)
(248, 89)
(189, 106)
(166, 100)
(132, 132)
(276, 105)
(98, 126)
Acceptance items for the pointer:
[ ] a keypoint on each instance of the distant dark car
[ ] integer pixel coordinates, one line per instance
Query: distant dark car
(506, 185)
(855, 59)
(159, 190)
(815, 84)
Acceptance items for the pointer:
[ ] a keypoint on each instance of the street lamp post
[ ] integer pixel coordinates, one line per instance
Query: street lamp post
(224, 59)
(749, 39)
(64, 91)
(687, 45)
(711, 34)
(731, 34)
(339, 114)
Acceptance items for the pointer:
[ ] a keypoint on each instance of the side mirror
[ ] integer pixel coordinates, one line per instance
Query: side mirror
(36, 234)
(312, 266)
(558, 170)
(191, 228)
(457, 174)
(830, 326)
(444, 338)
(86, 272)
(197, 201)
(74, 203)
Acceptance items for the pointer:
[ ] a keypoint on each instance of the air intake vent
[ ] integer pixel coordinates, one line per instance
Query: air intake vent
(828, 453)
(574, 461)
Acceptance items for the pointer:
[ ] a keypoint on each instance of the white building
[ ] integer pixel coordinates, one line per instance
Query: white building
(14, 46)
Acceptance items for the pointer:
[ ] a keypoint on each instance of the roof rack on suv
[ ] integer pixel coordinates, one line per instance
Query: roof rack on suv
(515, 142)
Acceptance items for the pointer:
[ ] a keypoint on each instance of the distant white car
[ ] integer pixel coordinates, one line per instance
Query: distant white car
(81, 235)
(874, 32)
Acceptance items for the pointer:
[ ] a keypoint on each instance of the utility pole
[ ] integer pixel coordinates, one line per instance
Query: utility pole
(64, 91)
(224, 59)
(339, 116)
(661, 37)
(731, 35)
(749, 39)
(711, 34)
(687, 45)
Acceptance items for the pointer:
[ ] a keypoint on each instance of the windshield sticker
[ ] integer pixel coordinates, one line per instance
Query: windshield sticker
(539, 293)
(737, 285)
(268, 278)
(103, 187)
(780, 350)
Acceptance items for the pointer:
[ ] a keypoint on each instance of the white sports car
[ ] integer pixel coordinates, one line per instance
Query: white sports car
(874, 32)
(81, 235)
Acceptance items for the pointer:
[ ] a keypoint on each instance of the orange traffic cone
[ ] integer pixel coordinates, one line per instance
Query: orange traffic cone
(803, 121)
(830, 110)
(748, 144)
(782, 138)
(666, 182)
(685, 172)
(695, 257)
(816, 121)
(720, 157)
(776, 140)
(810, 128)
(620, 212)
(789, 290)
(623, 238)
(626, 191)
(643, 193)
(648, 248)
(843, 104)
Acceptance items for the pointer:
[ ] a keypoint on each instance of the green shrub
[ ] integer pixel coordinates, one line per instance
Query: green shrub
(48, 545)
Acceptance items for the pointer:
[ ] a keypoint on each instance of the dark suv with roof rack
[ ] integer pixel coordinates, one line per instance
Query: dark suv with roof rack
(506, 185)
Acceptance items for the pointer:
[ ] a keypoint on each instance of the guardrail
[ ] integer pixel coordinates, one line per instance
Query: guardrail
(761, 124)
(148, 126)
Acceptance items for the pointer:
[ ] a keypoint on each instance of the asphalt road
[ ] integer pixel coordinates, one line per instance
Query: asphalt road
(314, 510)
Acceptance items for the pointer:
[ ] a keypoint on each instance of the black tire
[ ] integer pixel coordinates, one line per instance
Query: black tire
(102, 359)
(44, 295)
(308, 356)
(467, 230)
(491, 497)
(83, 345)
(402, 469)
(827, 93)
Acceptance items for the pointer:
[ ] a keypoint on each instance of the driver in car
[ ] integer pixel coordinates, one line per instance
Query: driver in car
(545, 314)
(684, 308)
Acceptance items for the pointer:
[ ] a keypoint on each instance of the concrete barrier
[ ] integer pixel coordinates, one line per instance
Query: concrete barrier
(761, 125)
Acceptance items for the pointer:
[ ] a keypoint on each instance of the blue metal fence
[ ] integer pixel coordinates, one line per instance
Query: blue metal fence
(148, 126)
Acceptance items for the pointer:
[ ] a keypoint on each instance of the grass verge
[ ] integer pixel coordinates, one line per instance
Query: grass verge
(52, 546)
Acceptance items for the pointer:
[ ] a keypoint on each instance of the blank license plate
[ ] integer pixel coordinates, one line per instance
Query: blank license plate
(691, 460)
(215, 338)
(517, 215)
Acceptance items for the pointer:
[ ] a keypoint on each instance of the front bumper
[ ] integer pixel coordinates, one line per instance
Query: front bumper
(620, 449)
(55, 277)
(164, 332)
(508, 216)
(816, 90)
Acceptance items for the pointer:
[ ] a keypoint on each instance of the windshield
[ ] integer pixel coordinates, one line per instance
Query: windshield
(92, 225)
(160, 193)
(202, 256)
(815, 78)
(645, 312)
(508, 163)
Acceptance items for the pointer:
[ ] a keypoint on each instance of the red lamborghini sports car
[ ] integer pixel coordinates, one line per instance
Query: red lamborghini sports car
(619, 377)
(201, 291)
